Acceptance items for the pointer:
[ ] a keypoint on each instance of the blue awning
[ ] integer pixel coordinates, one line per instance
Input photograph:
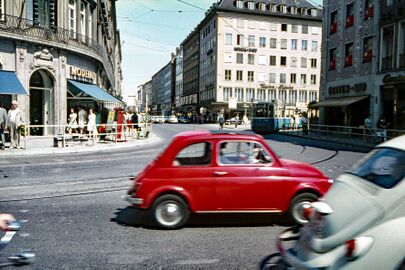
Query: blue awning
(10, 85)
(91, 90)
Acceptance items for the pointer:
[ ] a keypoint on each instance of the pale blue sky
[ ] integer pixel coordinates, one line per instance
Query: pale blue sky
(150, 31)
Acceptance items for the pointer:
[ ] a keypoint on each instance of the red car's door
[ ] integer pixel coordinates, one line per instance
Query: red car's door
(243, 186)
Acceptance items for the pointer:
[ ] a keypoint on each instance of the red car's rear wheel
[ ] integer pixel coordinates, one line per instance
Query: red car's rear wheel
(170, 212)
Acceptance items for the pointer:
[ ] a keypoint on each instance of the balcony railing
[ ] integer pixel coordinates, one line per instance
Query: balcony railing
(386, 63)
(26, 28)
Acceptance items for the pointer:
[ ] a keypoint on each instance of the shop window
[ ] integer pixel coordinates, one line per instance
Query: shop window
(350, 15)
(333, 22)
(332, 59)
(367, 49)
(349, 55)
(369, 9)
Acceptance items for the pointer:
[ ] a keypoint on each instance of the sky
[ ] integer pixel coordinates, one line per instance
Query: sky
(150, 31)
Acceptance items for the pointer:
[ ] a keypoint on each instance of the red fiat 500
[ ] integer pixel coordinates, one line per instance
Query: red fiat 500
(205, 172)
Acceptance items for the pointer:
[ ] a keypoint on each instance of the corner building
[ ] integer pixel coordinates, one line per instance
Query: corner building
(64, 53)
(260, 51)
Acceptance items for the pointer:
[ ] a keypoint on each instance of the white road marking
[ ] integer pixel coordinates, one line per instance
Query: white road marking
(197, 261)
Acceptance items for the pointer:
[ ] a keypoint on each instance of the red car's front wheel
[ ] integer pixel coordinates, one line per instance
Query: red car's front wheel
(297, 206)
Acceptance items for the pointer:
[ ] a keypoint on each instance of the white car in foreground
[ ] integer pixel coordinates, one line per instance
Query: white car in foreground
(360, 223)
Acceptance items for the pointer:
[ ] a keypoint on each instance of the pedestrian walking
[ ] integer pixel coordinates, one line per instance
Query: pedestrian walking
(304, 121)
(72, 124)
(135, 120)
(368, 125)
(3, 120)
(14, 121)
(382, 128)
(221, 121)
(82, 115)
(91, 124)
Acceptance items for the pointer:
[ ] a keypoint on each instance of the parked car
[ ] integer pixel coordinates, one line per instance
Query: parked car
(207, 172)
(157, 119)
(184, 120)
(232, 121)
(360, 222)
(171, 119)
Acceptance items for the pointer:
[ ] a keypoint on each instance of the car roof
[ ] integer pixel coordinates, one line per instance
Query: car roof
(215, 134)
(398, 143)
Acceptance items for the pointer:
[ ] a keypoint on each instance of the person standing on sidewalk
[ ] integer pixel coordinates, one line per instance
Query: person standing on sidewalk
(3, 120)
(221, 121)
(91, 125)
(82, 115)
(304, 121)
(14, 121)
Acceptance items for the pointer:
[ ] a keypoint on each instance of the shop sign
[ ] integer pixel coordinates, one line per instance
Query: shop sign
(345, 89)
(82, 73)
(242, 49)
(284, 87)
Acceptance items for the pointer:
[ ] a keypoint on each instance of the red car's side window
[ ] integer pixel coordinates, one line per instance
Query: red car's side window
(196, 154)
(242, 152)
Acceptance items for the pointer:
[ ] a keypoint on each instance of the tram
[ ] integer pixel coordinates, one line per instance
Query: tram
(265, 120)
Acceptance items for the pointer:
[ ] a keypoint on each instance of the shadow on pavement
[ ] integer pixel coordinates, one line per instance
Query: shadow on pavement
(131, 216)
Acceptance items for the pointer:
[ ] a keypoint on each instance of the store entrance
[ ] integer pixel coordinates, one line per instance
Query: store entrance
(41, 89)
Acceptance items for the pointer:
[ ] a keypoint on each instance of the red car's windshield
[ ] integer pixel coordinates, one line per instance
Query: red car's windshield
(384, 167)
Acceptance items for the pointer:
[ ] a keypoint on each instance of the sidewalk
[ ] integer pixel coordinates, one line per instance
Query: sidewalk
(44, 146)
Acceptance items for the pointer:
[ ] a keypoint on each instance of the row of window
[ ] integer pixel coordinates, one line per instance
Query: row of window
(272, 77)
(2, 10)
(85, 19)
(286, 96)
(262, 60)
(272, 42)
(350, 15)
(281, 8)
(349, 50)
(279, 27)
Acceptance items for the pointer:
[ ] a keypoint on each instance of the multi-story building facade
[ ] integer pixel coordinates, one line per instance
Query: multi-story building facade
(191, 68)
(179, 80)
(147, 97)
(260, 51)
(391, 64)
(64, 54)
(350, 42)
(162, 89)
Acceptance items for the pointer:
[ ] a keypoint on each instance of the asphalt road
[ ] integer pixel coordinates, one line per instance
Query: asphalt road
(74, 216)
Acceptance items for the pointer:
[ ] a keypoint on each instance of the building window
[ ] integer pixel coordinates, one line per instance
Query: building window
(272, 60)
(251, 5)
(263, 25)
(284, 27)
(303, 79)
(228, 75)
(262, 42)
(283, 44)
(294, 44)
(283, 61)
(272, 95)
(313, 62)
(250, 94)
(293, 61)
(333, 22)
(239, 75)
(273, 26)
(261, 77)
(251, 41)
(302, 96)
(332, 59)
(305, 29)
(239, 40)
(239, 58)
(251, 24)
(261, 6)
(294, 28)
(304, 45)
(367, 49)
(292, 97)
(251, 76)
(283, 78)
(314, 47)
(251, 59)
(239, 94)
(387, 48)
(262, 60)
(272, 78)
(261, 94)
(240, 23)
(313, 79)
(72, 18)
(82, 19)
(228, 39)
(227, 93)
(349, 55)
(315, 30)
(369, 9)
(2, 10)
(273, 43)
(313, 95)
(293, 78)
(349, 15)
(303, 62)
(282, 95)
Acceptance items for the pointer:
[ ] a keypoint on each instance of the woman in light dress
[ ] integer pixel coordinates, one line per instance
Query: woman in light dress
(72, 120)
(91, 124)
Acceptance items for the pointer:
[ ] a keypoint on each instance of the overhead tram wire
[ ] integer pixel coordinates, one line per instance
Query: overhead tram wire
(191, 5)
(167, 11)
(147, 47)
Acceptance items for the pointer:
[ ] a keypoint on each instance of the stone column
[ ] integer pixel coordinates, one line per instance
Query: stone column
(22, 72)
(61, 91)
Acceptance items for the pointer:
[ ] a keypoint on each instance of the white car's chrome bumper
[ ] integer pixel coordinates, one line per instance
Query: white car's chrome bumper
(133, 201)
